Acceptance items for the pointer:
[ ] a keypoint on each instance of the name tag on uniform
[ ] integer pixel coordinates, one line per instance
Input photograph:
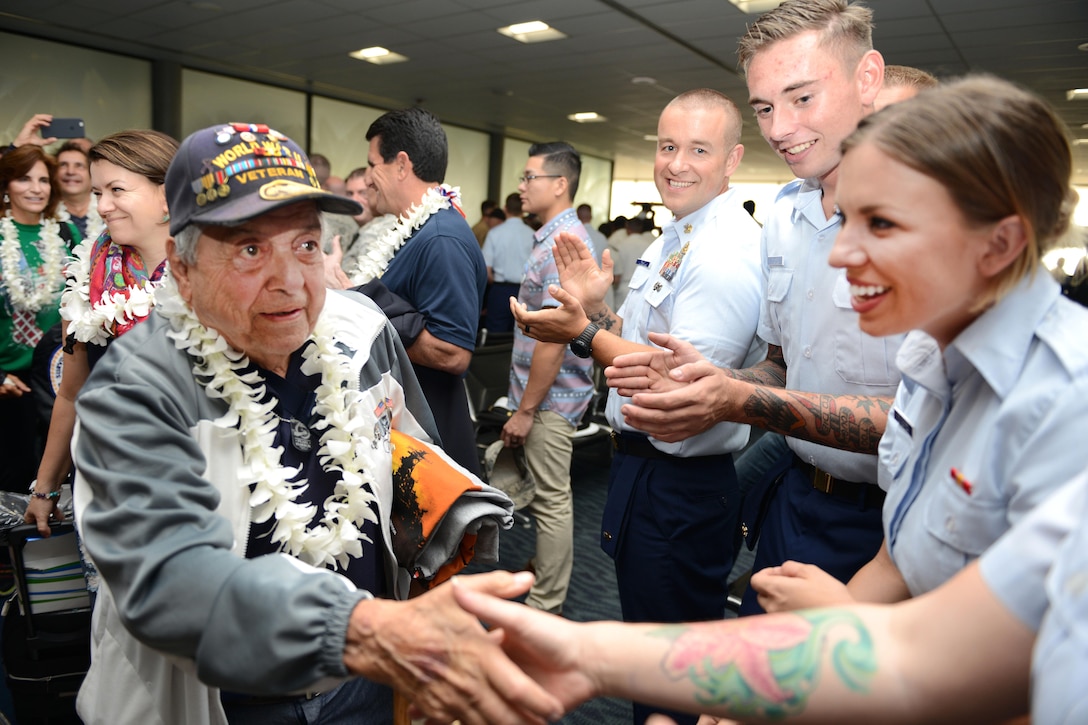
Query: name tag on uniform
(903, 422)
(775, 261)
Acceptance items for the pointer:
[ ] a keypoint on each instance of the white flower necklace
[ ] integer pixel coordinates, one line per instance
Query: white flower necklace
(372, 264)
(95, 223)
(345, 448)
(95, 324)
(21, 289)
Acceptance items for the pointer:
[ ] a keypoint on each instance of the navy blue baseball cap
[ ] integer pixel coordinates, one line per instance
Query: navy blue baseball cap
(232, 172)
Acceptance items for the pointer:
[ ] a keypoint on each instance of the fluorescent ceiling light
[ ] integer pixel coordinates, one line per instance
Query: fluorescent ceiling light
(756, 6)
(532, 31)
(587, 117)
(378, 55)
(1077, 94)
(650, 137)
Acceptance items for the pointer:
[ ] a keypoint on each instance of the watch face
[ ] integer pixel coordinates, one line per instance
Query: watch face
(580, 345)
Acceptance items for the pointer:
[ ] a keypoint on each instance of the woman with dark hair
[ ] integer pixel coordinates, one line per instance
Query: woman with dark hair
(33, 256)
(111, 285)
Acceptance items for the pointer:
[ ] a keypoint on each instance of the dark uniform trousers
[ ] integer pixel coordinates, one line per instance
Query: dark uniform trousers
(833, 524)
(669, 526)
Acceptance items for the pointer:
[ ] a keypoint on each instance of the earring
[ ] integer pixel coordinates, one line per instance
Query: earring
(165, 218)
(6, 199)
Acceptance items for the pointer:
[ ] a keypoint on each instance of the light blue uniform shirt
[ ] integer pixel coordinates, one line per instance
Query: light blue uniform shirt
(712, 302)
(507, 249)
(1059, 668)
(1039, 571)
(1005, 406)
(807, 313)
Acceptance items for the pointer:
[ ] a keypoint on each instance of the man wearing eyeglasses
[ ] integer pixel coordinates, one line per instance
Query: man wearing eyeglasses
(550, 387)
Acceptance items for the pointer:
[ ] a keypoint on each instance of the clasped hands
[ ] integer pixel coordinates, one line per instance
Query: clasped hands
(675, 392)
(581, 292)
(541, 655)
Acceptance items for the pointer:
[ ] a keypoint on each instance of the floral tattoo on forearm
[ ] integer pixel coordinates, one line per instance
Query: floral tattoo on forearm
(771, 668)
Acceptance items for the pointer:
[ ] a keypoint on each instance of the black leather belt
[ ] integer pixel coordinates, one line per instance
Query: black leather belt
(866, 493)
(636, 445)
(241, 698)
(633, 444)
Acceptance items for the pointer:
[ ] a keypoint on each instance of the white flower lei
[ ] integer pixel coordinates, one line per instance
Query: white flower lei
(345, 447)
(372, 264)
(95, 224)
(21, 290)
(95, 324)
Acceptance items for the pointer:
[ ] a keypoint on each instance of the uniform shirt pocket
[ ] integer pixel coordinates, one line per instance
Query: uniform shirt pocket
(961, 526)
(639, 277)
(894, 452)
(779, 281)
(860, 358)
(660, 291)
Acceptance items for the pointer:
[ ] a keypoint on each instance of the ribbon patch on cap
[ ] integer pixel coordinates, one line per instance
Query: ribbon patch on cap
(252, 159)
(284, 189)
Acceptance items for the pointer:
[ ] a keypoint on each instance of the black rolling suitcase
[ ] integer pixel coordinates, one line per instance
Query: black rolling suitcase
(47, 626)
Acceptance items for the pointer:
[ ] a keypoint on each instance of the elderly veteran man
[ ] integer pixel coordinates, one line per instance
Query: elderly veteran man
(237, 488)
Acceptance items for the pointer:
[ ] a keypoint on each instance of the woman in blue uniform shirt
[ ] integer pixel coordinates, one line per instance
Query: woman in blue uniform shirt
(949, 205)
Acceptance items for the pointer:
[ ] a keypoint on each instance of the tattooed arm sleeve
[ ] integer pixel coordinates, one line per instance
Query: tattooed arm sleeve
(955, 655)
(849, 422)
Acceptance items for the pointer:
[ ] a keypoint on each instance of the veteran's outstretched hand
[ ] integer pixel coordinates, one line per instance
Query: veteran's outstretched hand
(443, 660)
(546, 647)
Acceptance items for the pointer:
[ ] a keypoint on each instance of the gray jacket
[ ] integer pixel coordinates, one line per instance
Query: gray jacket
(165, 517)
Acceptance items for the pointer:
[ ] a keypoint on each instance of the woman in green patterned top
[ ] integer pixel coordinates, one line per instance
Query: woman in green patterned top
(33, 255)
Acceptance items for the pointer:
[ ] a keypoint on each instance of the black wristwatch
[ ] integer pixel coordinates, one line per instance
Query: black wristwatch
(581, 345)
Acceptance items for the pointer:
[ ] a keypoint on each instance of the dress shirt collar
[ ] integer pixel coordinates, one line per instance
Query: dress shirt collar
(808, 204)
(562, 221)
(698, 218)
(996, 344)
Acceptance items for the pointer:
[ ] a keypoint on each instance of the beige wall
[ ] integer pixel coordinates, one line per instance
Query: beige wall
(109, 92)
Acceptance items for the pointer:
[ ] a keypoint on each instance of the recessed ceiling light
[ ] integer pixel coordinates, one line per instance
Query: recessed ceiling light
(587, 117)
(1077, 94)
(532, 31)
(756, 6)
(378, 55)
